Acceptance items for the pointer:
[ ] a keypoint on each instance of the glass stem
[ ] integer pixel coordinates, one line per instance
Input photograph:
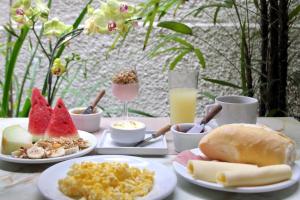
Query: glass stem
(125, 110)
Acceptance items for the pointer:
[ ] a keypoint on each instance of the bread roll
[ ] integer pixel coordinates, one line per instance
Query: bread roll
(207, 170)
(247, 143)
(254, 177)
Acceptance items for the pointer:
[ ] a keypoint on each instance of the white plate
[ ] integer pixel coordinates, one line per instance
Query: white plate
(154, 147)
(164, 182)
(182, 171)
(92, 140)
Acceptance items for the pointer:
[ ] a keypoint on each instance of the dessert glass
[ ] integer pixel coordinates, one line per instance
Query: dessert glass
(125, 87)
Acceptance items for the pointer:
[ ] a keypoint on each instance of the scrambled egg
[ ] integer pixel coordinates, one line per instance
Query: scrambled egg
(108, 180)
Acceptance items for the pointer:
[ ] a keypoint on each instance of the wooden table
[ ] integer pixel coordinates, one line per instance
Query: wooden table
(18, 181)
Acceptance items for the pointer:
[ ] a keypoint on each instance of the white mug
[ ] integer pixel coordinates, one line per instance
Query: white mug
(235, 109)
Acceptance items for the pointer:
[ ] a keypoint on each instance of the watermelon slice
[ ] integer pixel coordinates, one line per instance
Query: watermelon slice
(61, 124)
(39, 115)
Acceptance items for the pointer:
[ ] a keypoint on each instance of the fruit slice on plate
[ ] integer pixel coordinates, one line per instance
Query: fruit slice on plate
(39, 115)
(13, 138)
(61, 124)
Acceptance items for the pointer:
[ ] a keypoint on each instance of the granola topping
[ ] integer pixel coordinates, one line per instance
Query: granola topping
(125, 77)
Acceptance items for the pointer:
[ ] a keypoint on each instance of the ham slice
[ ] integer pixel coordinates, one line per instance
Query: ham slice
(185, 156)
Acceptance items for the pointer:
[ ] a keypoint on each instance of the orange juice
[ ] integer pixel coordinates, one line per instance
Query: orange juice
(182, 105)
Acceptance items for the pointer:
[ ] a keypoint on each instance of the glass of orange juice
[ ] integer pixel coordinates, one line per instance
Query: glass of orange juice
(183, 95)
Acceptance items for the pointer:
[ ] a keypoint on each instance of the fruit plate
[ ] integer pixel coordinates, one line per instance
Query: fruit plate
(92, 140)
(164, 180)
(181, 170)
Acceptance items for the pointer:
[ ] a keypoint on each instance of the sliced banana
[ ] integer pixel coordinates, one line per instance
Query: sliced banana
(71, 150)
(57, 152)
(35, 152)
(16, 153)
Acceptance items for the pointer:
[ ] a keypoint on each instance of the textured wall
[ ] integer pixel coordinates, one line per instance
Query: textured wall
(97, 71)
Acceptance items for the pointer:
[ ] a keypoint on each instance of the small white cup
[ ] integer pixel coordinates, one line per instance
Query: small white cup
(86, 122)
(184, 141)
(128, 136)
(235, 109)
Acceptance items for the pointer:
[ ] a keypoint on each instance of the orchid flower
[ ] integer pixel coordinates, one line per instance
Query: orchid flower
(112, 16)
(56, 28)
(58, 68)
(21, 11)
(25, 13)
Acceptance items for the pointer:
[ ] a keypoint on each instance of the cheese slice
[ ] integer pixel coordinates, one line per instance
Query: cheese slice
(254, 177)
(207, 170)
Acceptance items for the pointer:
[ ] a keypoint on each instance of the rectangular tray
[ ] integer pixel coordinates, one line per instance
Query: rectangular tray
(107, 146)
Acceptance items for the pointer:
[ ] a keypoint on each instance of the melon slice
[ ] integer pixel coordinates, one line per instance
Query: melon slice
(39, 115)
(13, 138)
(61, 124)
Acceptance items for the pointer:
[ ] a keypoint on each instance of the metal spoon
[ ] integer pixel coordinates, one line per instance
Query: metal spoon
(199, 127)
(90, 109)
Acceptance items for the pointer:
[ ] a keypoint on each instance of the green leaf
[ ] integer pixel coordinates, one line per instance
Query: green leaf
(10, 30)
(81, 15)
(221, 82)
(180, 41)
(216, 15)
(198, 10)
(26, 108)
(151, 21)
(178, 58)
(294, 12)
(164, 8)
(139, 112)
(228, 3)
(11, 66)
(242, 58)
(75, 26)
(209, 95)
(200, 57)
(25, 77)
(156, 53)
(256, 4)
(176, 26)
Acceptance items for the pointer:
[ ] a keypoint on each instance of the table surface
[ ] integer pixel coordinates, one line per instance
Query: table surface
(19, 181)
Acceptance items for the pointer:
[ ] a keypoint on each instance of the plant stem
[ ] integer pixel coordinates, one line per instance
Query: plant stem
(273, 68)
(48, 78)
(54, 89)
(283, 54)
(264, 27)
(40, 42)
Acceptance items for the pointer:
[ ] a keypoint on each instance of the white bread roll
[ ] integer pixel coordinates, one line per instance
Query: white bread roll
(255, 176)
(247, 143)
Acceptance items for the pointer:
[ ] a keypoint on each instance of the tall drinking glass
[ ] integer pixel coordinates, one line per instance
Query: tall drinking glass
(183, 95)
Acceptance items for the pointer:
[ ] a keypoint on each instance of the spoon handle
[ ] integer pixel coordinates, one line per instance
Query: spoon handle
(162, 131)
(214, 111)
(99, 96)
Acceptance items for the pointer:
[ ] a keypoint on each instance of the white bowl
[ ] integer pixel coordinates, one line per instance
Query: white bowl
(86, 122)
(127, 136)
(184, 141)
